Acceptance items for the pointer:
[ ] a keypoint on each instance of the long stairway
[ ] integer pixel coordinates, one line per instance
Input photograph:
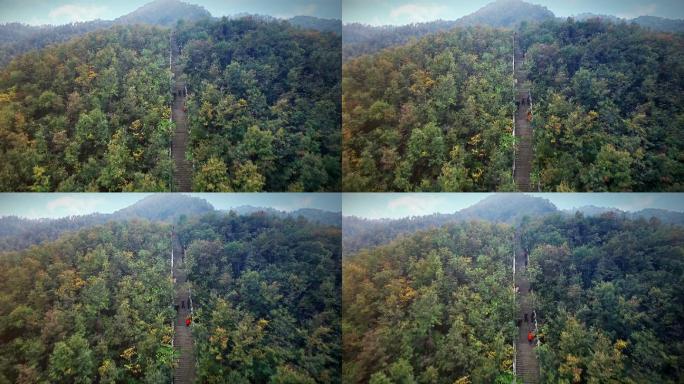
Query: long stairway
(523, 129)
(182, 175)
(184, 372)
(527, 366)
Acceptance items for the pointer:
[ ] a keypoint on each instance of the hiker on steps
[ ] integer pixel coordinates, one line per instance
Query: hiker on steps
(188, 320)
(530, 337)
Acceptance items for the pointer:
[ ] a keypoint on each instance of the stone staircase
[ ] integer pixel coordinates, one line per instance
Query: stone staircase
(527, 366)
(523, 130)
(184, 371)
(182, 175)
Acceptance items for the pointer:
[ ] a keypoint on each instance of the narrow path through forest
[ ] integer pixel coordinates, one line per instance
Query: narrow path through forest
(527, 366)
(182, 173)
(523, 129)
(184, 372)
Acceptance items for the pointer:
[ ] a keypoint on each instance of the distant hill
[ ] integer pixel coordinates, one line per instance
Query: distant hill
(164, 12)
(318, 24)
(654, 23)
(663, 215)
(659, 23)
(506, 14)
(164, 207)
(311, 214)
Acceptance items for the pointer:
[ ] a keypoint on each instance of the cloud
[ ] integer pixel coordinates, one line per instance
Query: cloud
(72, 12)
(414, 13)
(69, 205)
(415, 204)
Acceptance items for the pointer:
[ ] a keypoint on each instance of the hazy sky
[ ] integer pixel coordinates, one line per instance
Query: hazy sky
(53, 205)
(398, 205)
(38, 12)
(380, 12)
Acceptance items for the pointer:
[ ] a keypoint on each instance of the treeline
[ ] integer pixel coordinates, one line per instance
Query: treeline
(608, 106)
(90, 307)
(609, 294)
(434, 115)
(17, 38)
(266, 298)
(88, 115)
(434, 307)
(264, 108)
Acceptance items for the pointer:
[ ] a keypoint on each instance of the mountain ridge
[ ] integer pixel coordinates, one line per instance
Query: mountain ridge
(361, 233)
(359, 39)
(18, 38)
(157, 208)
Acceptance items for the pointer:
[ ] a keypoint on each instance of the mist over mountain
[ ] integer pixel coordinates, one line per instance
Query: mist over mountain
(18, 233)
(17, 38)
(359, 39)
(506, 208)
(311, 214)
(506, 14)
(164, 12)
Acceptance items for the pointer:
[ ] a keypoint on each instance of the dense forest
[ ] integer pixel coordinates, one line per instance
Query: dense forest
(609, 292)
(606, 289)
(91, 114)
(90, 307)
(94, 305)
(434, 115)
(608, 106)
(434, 307)
(264, 110)
(266, 297)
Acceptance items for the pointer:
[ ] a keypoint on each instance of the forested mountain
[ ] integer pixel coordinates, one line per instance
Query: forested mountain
(310, 214)
(90, 307)
(317, 23)
(500, 208)
(19, 233)
(651, 22)
(607, 102)
(266, 296)
(17, 38)
(264, 110)
(164, 207)
(433, 115)
(360, 39)
(435, 307)
(609, 293)
(164, 12)
(506, 14)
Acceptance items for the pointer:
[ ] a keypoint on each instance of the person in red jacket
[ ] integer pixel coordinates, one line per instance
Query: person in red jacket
(188, 321)
(530, 336)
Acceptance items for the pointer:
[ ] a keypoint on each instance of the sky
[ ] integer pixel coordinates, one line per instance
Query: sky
(398, 205)
(38, 12)
(399, 12)
(54, 205)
